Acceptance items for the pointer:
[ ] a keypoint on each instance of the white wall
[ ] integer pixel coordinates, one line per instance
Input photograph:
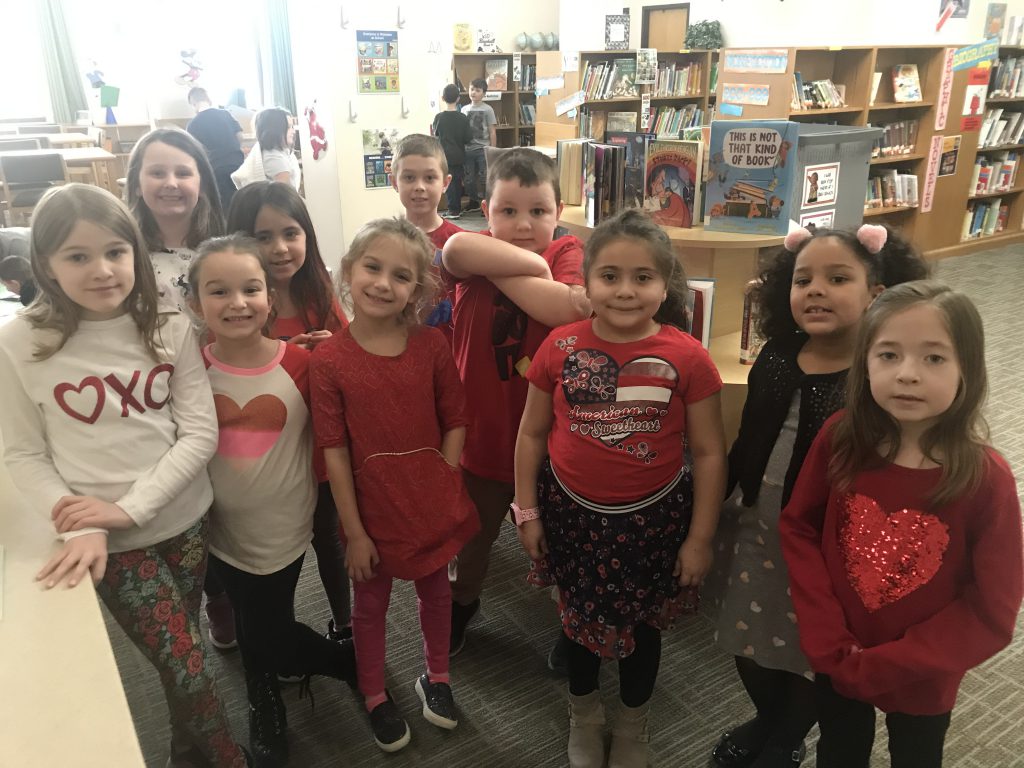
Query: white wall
(747, 23)
(324, 60)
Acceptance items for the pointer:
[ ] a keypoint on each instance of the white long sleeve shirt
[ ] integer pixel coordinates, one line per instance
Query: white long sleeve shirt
(102, 418)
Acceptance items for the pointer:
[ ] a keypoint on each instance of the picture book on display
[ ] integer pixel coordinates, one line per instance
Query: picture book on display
(672, 182)
(636, 161)
(496, 74)
(751, 183)
(603, 188)
(906, 83)
(569, 154)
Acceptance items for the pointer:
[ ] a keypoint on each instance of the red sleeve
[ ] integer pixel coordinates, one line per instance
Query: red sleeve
(336, 320)
(565, 257)
(296, 363)
(972, 628)
(824, 636)
(538, 374)
(704, 380)
(451, 398)
(328, 400)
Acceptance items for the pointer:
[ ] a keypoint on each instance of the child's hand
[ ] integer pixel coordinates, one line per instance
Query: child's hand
(360, 558)
(309, 340)
(79, 556)
(73, 513)
(531, 536)
(693, 562)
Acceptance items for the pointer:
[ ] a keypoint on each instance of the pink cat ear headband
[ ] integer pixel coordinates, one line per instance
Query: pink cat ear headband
(871, 236)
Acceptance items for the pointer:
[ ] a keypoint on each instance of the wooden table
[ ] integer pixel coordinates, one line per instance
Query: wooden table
(62, 701)
(62, 140)
(91, 165)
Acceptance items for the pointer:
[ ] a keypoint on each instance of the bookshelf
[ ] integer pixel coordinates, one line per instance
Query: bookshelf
(513, 128)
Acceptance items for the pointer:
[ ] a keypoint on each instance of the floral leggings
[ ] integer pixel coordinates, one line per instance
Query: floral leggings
(154, 594)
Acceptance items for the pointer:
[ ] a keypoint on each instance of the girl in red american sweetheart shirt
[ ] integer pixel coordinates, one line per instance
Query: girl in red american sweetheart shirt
(605, 501)
(389, 412)
(903, 533)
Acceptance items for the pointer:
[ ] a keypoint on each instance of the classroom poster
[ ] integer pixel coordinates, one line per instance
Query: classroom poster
(378, 147)
(974, 99)
(765, 61)
(948, 158)
(945, 90)
(934, 155)
(744, 93)
(377, 61)
(646, 66)
(820, 183)
(822, 219)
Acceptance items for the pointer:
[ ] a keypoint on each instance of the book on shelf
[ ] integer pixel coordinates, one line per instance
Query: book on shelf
(898, 138)
(527, 114)
(621, 121)
(496, 74)
(569, 157)
(636, 160)
(1005, 80)
(679, 80)
(593, 123)
(889, 188)
(713, 79)
(751, 176)
(906, 83)
(984, 218)
(672, 183)
(994, 173)
(528, 77)
(1013, 31)
(751, 340)
(700, 303)
(670, 122)
(1000, 127)
(603, 181)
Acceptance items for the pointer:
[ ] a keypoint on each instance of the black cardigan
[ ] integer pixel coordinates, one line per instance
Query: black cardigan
(773, 379)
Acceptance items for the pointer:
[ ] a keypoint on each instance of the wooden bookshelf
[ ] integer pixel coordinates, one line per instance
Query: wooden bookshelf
(512, 130)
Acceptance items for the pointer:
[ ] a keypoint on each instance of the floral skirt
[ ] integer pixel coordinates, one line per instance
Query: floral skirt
(613, 569)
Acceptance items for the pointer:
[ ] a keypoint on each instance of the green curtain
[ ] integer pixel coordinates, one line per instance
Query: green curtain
(67, 94)
(282, 81)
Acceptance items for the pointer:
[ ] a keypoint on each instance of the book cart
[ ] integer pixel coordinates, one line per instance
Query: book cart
(512, 129)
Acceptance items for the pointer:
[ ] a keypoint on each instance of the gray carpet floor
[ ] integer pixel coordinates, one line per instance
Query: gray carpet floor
(513, 711)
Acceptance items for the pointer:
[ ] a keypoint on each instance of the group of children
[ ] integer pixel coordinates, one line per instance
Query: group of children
(447, 401)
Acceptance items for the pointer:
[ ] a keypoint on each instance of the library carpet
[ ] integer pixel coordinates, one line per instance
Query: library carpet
(513, 711)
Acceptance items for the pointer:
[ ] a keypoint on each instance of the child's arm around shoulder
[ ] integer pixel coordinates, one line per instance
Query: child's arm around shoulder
(556, 301)
(468, 254)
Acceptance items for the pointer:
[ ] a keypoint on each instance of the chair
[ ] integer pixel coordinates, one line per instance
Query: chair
(9, 145)
(39, 128)
(25, 178)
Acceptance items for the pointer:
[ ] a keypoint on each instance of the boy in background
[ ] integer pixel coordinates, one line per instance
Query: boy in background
(221, 135)
(16, 275)
(511, 289)
(420, 175)
(453, 130)
(482, 122)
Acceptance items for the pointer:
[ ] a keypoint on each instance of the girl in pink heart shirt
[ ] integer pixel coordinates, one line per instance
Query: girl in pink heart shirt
(108, 423)
(903, 533)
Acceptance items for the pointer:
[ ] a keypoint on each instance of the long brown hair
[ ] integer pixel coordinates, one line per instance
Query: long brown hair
(207, 217)
(54, 218)
(958, 438)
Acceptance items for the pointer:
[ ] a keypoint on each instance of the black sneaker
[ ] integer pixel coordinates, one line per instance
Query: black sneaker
(390, 730)
(557, 657)
(268, 723)
(451, 216)
(337, 635)
(473, 207)
(438, 704)
(461, 616)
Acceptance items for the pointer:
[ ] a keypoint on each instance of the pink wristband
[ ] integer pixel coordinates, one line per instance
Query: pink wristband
(521, 515)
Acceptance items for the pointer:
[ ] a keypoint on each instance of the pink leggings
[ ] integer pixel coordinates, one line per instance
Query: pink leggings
(434, 603)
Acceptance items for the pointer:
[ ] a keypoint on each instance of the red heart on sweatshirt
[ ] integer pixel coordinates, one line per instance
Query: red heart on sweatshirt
(889, 555)
(81, 399)
(250, 431)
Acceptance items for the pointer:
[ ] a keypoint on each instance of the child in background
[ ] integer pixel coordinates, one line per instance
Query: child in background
(420, 175)
(121, 471)
(305, 314)
(453, 130)
(811, 298)
(172, 192)
(275, 136)
(482, 123)
(389, 414)
(605, 502)
(221, 135)
(16, 275)
(903, 533)
(513, 287)
(263, 485)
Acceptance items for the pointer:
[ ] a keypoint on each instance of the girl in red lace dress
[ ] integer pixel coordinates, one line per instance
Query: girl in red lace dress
(389, 412)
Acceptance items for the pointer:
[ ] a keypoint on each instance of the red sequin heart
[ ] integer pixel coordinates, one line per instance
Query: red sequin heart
(889, 555)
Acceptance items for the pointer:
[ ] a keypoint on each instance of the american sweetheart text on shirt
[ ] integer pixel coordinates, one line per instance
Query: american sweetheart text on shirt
(84, 401)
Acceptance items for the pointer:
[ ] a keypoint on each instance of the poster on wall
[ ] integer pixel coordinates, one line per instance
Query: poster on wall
(646, 66)
(951, 9)
(378, 147)
(950, 153)
(377, 61)
(744, 93)
(974, 99)
(766, 61)
(820, 183)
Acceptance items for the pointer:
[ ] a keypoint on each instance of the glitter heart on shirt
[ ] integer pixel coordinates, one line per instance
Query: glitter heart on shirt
(889, 555)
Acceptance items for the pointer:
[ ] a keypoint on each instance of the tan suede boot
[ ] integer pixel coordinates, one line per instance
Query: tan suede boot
(586, 731)
(630, 737)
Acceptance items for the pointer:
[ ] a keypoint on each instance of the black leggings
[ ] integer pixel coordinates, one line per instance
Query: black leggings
(786, 710)
(269, 637)
(637, 672)
(848, 733)
(330, 555)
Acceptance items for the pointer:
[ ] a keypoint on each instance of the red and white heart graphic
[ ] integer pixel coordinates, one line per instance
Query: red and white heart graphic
(76, 401)
(247, 433)
(889, 555)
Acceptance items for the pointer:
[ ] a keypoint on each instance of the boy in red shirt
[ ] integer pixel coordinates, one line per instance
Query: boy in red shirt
(513, 284)
(419, 173)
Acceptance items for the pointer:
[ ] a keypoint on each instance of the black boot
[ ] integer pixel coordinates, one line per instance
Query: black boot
(268, 722)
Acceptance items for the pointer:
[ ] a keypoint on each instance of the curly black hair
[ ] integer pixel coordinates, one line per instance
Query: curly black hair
(897, 262)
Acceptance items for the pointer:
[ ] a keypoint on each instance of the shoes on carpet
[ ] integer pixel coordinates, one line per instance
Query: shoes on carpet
(438, 703)
(390, 730)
